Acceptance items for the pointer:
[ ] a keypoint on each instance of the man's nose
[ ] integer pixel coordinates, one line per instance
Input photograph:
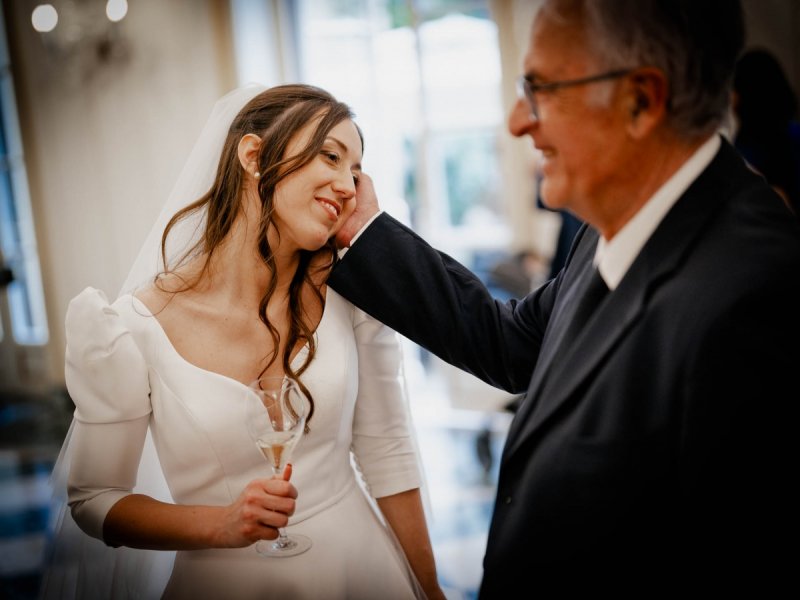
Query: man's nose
(519, 119)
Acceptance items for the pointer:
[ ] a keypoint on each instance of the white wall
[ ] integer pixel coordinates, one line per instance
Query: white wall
(105, 139)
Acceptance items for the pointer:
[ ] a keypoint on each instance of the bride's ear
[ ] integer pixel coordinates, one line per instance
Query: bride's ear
(248, 153)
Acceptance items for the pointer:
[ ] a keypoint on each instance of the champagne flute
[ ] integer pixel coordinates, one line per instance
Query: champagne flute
(276, 412)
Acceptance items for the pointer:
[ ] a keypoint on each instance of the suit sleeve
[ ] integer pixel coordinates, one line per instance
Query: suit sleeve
(396, 277)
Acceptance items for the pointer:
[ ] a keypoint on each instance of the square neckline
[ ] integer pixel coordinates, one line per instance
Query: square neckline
(168, 342)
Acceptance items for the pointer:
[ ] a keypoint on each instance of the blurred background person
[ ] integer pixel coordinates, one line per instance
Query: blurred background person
(568, 227)
(767, 132)
(517, 275)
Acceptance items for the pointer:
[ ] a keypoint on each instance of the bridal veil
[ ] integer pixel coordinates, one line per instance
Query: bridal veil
(80, 566)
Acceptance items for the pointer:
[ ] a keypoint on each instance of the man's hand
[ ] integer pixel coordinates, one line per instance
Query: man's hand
(366, 208)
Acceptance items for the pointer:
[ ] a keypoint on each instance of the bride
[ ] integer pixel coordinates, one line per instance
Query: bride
(229, 286)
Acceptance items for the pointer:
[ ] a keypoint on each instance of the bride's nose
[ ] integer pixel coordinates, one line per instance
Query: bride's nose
(344, 185)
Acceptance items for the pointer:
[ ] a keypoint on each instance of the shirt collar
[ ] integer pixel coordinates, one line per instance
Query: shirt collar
(614, 258)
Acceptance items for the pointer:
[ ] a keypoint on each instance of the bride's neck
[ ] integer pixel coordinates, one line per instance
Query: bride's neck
(236, 269)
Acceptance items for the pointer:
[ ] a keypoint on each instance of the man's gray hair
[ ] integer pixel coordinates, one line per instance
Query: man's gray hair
(695, 43)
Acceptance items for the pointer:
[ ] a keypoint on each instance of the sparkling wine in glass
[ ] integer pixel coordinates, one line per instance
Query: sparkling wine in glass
(276, 410)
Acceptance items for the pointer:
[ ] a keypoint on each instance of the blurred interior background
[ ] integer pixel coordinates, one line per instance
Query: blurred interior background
(101, 101)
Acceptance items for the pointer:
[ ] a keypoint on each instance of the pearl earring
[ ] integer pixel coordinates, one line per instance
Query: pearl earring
(256, 174)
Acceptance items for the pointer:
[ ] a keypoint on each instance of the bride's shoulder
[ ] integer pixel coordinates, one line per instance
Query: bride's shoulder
(161, 293)
(153, 298)
(92, 304)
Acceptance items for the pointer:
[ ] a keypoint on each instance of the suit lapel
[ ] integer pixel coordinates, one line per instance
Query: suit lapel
(552, 385)
(580, 260)
(568, 287)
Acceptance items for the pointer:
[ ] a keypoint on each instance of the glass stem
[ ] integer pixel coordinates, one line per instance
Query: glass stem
(282, 541)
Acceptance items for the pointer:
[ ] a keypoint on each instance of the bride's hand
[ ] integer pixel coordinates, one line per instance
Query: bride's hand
(262, 507)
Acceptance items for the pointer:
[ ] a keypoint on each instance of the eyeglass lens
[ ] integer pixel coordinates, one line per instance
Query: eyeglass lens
(524, 92)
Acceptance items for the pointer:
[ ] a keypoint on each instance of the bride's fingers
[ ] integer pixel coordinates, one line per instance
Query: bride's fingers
(277, 503)
(263, 514)
(271, 534)
(269, 517)
(279, 487)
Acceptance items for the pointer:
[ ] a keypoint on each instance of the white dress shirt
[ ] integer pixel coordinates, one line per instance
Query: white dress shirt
(614, 258)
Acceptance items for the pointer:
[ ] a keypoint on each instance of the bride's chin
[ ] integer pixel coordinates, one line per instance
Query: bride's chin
(317, 242)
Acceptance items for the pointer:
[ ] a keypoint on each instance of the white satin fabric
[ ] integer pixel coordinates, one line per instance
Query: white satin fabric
(126, 378)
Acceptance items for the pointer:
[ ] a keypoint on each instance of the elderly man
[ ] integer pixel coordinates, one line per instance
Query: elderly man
(651, 455)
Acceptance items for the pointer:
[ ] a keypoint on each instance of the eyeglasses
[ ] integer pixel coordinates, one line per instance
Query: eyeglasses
(527, 89)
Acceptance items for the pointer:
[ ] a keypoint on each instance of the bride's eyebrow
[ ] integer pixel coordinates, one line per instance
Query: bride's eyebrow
(344, 149)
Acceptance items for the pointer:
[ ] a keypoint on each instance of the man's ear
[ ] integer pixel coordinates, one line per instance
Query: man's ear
(641, 104)
(247, 151)
(647, 100)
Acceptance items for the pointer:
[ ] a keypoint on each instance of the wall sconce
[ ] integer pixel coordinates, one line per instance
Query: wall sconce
(78, 34)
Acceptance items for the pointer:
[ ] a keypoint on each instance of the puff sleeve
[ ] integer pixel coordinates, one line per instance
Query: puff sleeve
(107, 379)
(384, 445)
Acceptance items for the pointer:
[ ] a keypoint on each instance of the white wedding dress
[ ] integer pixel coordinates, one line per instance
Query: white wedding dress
(126, 377)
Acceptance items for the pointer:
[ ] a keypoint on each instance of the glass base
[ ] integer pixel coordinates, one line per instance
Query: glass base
(293, 545)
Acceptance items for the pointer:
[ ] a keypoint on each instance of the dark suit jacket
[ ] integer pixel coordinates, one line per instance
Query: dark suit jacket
(658, 458)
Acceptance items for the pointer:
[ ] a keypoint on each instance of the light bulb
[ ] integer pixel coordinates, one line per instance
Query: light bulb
(44, 18)
(116, 10)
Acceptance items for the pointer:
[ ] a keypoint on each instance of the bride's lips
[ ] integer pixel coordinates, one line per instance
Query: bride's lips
(331, 207)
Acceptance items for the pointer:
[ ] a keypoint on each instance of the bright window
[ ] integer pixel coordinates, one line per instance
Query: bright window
(17, 239)
(423, 78)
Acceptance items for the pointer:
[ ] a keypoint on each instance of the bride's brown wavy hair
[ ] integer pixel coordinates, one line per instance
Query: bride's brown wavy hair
(276, 116)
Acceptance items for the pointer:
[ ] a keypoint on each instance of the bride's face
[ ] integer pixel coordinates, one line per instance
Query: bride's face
(312, 203)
